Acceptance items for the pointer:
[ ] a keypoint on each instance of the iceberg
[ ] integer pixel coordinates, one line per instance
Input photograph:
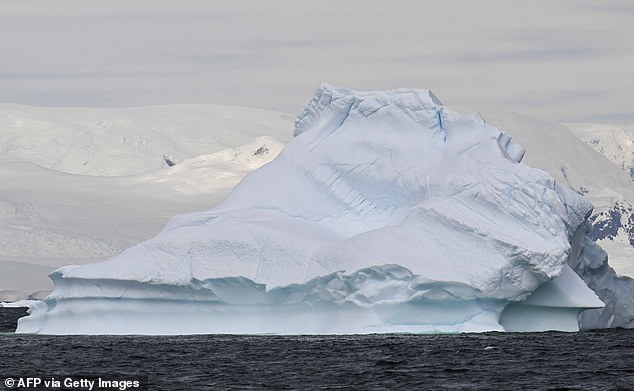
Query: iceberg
(386, 212)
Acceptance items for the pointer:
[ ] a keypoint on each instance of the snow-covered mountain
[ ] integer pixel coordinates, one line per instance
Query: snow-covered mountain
(556, 149)
(387, 212)
(613, 229)
(63, 201)
(616, 142)
(613, 221)
(128, 141)
(616, 224)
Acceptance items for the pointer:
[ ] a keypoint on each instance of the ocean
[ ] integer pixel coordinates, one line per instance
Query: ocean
(589, 360)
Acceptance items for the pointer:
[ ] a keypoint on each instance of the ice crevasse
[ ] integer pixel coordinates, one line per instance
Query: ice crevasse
(387, 212)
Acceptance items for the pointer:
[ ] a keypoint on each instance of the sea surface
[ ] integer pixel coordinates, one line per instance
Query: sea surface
(589, 360)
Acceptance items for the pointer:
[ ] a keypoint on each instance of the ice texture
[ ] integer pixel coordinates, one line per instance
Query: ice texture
(387, 212)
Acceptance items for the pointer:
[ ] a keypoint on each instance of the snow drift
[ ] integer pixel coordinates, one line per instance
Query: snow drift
(387, 212)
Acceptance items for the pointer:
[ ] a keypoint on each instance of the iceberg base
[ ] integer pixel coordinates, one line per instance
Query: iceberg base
(360, 303)
(171, 317)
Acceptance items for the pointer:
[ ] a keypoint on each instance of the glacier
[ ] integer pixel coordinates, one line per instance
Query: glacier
(387, 212)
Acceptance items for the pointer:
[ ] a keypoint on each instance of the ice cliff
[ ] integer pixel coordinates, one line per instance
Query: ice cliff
(387, 212)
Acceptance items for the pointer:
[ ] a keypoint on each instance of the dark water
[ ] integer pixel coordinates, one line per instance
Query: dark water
(598, 360)
(9, 318)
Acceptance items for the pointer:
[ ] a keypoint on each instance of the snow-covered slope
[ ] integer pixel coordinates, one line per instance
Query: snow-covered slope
(387, 212)
(554, 148)
(616, 142)
(614, 224)
(613, 229)
(52, 216)
(127, 141)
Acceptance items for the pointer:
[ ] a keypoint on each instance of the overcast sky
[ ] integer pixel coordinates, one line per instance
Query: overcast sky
(558, 60)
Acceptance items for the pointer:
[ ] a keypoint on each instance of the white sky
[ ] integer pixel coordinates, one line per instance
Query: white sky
(562, 60)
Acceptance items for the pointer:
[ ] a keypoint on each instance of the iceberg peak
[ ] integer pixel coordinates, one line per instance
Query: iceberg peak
(331, 105)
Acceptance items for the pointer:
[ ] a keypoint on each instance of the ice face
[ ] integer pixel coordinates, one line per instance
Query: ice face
(387, 212)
